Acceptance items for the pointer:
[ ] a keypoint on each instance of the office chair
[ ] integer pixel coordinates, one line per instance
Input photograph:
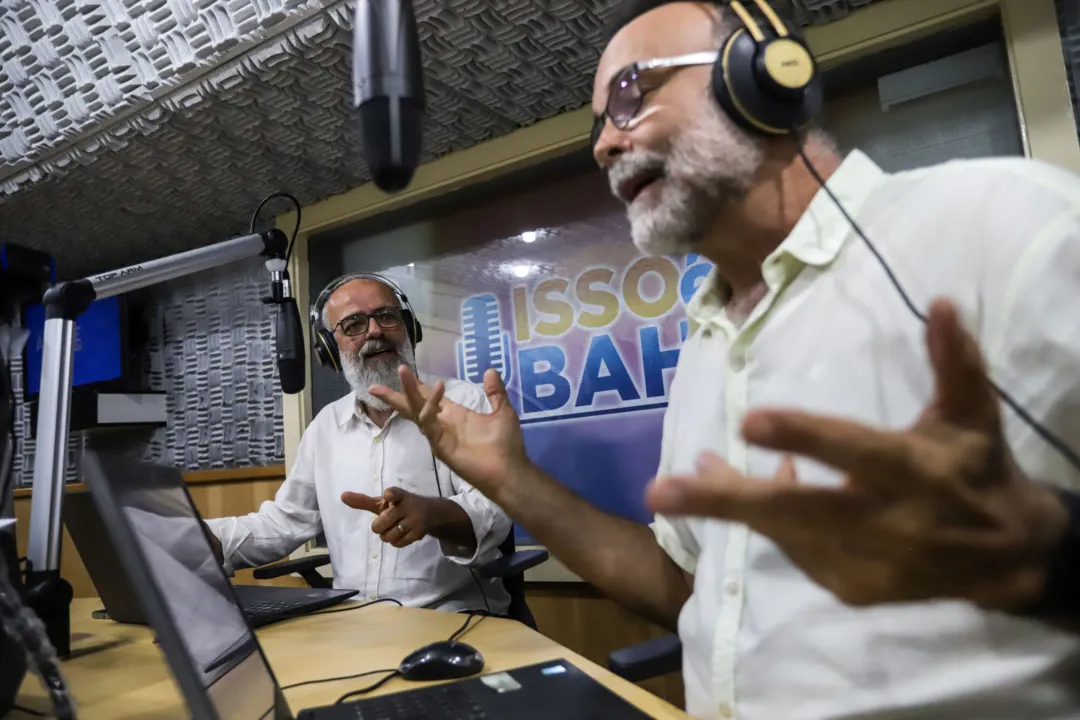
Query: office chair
(510, 567)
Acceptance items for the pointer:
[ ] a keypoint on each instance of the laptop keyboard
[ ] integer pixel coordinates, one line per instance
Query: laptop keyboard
(263, 608)
(441, 702)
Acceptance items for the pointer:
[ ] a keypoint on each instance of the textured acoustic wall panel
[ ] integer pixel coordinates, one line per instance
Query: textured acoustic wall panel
(211, 352)
(136, 128)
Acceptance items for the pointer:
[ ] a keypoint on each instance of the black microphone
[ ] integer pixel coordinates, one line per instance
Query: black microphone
(289, 340)
(288, 333)
(388, 90)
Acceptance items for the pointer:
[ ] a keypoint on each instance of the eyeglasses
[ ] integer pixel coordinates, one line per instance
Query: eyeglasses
(626, 96)
(358, 324)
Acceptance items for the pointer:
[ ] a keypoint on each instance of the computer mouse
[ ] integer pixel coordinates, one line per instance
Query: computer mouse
(445, 660)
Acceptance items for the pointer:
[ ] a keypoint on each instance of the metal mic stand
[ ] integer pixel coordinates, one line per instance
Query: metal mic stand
(47, 593)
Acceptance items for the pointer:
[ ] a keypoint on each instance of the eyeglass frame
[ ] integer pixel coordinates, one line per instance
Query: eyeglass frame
(399, 320)
(707, 57)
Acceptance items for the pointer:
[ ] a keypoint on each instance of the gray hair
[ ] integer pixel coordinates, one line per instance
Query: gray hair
(324, 317)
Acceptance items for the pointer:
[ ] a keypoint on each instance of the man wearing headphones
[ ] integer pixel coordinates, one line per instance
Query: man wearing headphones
(398, 523)
(897, 475)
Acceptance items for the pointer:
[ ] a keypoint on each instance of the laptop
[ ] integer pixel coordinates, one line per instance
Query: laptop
(262, 605)
(219, 664)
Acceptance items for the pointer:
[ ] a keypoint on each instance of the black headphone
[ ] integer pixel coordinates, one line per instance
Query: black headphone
(765, 77)
(323, 344)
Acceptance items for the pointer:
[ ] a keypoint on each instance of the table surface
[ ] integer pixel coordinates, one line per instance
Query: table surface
(116, 671)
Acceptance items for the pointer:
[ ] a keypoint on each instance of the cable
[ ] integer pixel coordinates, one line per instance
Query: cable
(28, 711)
(472, 572)
(355, 607)
(24, 626)
(296, 228)
(365, 690)
(1053, 440)
(460, 632)
(335, 679)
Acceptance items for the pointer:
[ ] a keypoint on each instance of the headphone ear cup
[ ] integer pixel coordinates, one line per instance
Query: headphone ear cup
(739, 91)
(326, 350)
(412, 327)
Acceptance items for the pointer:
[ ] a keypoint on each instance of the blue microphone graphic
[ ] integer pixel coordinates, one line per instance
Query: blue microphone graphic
(483, 345)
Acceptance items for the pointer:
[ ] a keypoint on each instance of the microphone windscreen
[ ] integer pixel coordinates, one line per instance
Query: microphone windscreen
(388, 90)
(289, 339)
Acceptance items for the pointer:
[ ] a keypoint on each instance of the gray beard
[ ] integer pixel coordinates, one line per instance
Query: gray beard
(361, 374)
(711, 163)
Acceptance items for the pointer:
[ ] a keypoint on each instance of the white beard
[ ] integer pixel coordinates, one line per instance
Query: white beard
(711, 162)
(362, 375)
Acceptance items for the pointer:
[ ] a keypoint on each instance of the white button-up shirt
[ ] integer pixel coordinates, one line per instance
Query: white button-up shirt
(343, 450)
(763, 642)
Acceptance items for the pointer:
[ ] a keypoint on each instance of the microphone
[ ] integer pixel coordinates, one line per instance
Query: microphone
(290, 347)
(288, 332)
(483, 343)
(388, 90)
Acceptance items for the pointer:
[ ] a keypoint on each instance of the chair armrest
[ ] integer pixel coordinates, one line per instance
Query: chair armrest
(306, 567)
(648, 659)
(513, 564)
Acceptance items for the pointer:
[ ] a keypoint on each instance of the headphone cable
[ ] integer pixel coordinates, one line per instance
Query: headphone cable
(472, 572)
(1049, 437)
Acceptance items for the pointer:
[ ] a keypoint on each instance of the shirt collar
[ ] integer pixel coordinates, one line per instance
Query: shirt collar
(816, 239)
(347, 408)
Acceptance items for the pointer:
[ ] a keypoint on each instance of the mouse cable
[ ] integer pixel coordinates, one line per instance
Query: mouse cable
(28, 711)
(335, 679)
(370, 688)
(355, 607)
(438, 485)
(460, 632)
(1049, 437)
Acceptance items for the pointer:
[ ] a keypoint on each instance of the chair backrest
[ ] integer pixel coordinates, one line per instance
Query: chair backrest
(515, 586)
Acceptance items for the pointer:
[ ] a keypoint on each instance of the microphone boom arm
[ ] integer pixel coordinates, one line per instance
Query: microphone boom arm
(48, 594)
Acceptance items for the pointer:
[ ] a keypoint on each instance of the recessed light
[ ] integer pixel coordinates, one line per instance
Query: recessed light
(529, 236)
(522, 271)
(412, 264)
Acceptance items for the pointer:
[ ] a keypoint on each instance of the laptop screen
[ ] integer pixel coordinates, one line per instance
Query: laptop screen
(214, 632)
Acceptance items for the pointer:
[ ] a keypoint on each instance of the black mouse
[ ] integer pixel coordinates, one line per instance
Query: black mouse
(445, 660)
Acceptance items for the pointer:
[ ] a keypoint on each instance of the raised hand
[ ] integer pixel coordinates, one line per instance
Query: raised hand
(482, 448)
(935, 511)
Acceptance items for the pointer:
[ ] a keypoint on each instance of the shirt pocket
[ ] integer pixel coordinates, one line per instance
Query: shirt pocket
(424, 483)
(423, 560)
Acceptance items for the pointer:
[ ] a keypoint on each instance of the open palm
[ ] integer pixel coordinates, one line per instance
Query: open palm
(480, 447)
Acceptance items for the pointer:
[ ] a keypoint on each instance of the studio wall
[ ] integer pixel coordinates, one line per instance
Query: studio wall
(210, 350)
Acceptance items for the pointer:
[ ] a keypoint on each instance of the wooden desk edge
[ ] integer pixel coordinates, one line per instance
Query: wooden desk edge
(226, 476)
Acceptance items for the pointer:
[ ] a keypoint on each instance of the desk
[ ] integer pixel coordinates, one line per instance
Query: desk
(117, 672)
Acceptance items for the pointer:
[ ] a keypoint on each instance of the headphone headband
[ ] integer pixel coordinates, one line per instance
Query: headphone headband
(336, 283)
(324, 345)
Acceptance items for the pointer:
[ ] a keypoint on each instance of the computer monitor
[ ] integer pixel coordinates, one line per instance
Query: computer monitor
(164, 549)
(99, 344)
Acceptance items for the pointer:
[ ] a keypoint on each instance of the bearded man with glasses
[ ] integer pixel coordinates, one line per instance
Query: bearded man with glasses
(398, 523)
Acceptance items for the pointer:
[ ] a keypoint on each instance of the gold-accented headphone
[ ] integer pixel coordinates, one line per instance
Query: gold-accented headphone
(324, 345)
(765, 78)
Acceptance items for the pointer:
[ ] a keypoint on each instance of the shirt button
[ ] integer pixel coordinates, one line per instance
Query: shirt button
(370, 597)
(374, 556)
(724, 710)
(732, 588)
(378, 438)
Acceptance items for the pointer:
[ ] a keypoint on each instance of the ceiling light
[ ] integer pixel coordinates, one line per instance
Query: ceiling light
(521, 271)
(412, 264)
(529, 236)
